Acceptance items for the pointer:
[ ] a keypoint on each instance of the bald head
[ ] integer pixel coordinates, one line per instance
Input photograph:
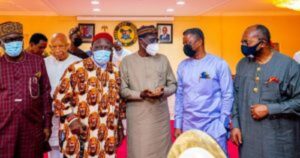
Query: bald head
(60, 37)
(59, 46)
(257, 33)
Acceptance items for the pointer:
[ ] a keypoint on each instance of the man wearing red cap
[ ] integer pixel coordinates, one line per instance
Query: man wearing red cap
(87, 101)
(147, 82)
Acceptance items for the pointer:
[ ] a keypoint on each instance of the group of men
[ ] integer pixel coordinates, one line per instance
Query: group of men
(91, 96)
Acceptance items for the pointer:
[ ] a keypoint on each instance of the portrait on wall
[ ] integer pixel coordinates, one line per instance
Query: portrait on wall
(87, 32)
(165, 33)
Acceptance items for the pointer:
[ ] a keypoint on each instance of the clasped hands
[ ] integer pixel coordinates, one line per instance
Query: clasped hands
(155, 94)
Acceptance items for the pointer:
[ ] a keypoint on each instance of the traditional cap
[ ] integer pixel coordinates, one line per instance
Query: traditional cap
(146, 30)
(196, 144)
(103, 35)
(9, 27)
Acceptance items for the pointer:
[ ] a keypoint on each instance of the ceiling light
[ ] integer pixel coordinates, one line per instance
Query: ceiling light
(170, 10)
(291, 4)
(180, 2)
(94, 2)
(96, 9)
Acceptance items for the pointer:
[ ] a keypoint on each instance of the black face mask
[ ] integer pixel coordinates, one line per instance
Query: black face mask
(250, 52)
(77, 42)
(188, 50)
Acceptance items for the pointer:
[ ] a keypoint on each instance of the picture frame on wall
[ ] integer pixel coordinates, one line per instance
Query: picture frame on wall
(165, 33)
(87, 32)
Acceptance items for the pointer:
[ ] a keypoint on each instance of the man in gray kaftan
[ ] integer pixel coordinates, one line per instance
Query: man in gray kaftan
(266, 112)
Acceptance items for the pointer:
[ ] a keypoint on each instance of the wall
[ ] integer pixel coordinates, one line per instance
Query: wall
(222, 34)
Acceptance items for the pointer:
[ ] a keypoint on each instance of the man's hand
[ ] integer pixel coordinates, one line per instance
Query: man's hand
(259, 111)
(157, 93)
(47, 132)
(145, 93)
(236, 136)
(76, 127)
(177, 132)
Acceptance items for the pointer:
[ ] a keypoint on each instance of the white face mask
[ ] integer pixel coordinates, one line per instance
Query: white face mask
(119, 52)
(152, 49)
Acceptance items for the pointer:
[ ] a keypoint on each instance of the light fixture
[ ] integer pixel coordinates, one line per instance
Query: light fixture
(94, 2)
(290, 4)
(96, 9)
(180, 2)
(169, 10)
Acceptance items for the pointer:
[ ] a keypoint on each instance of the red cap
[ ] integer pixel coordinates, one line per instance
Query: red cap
(103, 35)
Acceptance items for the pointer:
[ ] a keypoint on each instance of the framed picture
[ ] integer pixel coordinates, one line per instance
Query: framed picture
(165, 33)
(87, 32)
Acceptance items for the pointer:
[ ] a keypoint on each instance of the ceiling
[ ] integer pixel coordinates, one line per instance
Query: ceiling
(141, 8)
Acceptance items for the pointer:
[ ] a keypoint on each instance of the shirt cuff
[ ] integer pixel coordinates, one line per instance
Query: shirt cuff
(135, 95)
(274, 109)
(225, 120)
(178, 123)
(235, 123)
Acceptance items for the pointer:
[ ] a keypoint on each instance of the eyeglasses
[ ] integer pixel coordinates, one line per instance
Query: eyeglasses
(12, 39)
(97, 47)
(151, 40)
(57, 46)
(247, 42)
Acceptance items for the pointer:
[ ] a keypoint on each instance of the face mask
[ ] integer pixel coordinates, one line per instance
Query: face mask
(250, 52)
(188, 50)
(101, 57)
(13, 49)
(152, 49)
(119, 52)
(77, 42)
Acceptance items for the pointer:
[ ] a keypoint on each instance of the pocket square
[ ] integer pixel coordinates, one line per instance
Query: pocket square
(204, 75)
(273, 79)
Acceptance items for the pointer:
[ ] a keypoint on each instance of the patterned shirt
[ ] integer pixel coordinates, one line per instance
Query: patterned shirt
(90, 94)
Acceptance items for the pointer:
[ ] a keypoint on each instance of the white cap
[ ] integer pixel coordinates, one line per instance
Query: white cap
(196, 152)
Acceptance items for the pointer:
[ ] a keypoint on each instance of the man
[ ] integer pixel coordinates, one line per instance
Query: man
(37, 45)
(76, 41)
(87, 102)
(297, 57)
(119, 53)
(266, 112)
(147, 81)
(25, 102)
(59, 61)
(205, 92)
(165, 36)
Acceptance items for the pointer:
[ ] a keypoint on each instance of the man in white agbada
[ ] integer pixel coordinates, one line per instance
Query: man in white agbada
(56, 64)
(119, 53)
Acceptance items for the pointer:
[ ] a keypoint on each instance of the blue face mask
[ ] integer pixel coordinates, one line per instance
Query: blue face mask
(13, 49)
(250, 52)
(101, 57)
